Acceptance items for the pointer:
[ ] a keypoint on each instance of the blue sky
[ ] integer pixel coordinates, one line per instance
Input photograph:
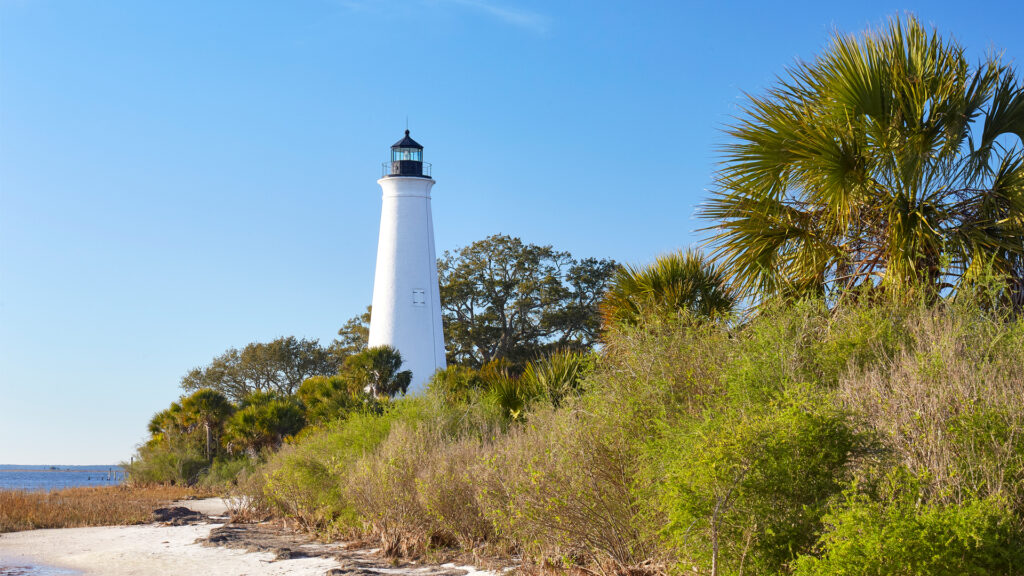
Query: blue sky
(177, 178)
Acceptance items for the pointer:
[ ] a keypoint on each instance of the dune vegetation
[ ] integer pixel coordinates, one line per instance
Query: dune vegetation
(804, 439)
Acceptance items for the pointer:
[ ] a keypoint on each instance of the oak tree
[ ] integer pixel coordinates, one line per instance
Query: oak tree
(279, 366)
(505, 299)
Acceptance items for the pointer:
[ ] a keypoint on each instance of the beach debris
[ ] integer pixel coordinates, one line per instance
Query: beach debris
(178, 516)
(286, 543)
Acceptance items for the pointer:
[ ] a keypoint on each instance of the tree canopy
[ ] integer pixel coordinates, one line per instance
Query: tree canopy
(262, 422)
(502, 298)
(889, 161)
(279, 366)
(353, 337)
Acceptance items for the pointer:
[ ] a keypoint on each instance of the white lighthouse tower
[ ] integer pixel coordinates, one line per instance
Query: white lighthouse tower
(406, 311)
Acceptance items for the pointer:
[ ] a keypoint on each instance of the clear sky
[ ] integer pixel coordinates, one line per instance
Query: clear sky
(177, 178)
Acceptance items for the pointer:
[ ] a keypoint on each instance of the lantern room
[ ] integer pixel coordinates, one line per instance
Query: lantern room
(407, 159)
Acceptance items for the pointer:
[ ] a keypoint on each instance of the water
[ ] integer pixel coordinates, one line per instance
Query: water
(46, 478)
(16, 567)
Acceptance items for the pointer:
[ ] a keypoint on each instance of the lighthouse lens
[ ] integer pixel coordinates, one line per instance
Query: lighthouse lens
(400, 154)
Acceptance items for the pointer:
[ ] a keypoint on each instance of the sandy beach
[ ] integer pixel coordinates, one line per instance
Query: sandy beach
(149, 549)
(160, 549)
(145, 550)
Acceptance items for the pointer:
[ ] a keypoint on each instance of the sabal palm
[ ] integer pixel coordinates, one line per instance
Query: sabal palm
(263, 421)
(380, 368)
(678, 281)
(209, 409)
(508, 393)
(166, 422)
(887, 161)
(557, 375)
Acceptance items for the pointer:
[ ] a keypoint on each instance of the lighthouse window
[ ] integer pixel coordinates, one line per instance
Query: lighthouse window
(400, 154)
(418, 298)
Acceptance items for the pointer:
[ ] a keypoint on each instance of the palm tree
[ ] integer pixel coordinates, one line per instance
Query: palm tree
(209, 409)
(674, 282)
(558, 375)
(165, 423)
(262, 422)
(507, 392)
(889, 161)
(380, 368)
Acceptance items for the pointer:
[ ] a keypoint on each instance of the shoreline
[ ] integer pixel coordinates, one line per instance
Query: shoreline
(145, 549)
(172, 549)
(154, 548)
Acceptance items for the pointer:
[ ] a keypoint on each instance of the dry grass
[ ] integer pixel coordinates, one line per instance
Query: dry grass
(563, 489)
(77, 507)
(949, 405)
(416, 493)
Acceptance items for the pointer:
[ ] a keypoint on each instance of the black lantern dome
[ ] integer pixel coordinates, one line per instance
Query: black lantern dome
(407, 159)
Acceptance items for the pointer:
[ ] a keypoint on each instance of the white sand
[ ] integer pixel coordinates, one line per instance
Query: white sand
(146, 550)
(208, 506)
(158, 550)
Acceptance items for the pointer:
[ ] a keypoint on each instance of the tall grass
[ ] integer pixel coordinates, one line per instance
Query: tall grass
(89, 506)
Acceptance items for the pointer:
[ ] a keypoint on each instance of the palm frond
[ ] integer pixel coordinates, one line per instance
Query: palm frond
(861, 168)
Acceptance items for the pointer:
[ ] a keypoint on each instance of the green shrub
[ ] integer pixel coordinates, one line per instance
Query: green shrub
(308, 478)
(905, 535)
(807, 342)
(383, 491)
(225, 471)
(657, 372)
(456, 384)
(745, 490)
(160, 463)
(570, 486)
(311, 492)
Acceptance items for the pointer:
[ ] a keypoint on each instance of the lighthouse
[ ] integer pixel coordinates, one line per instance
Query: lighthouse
(406, 311)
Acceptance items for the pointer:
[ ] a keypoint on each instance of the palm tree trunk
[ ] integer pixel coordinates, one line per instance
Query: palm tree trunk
(209, 457)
